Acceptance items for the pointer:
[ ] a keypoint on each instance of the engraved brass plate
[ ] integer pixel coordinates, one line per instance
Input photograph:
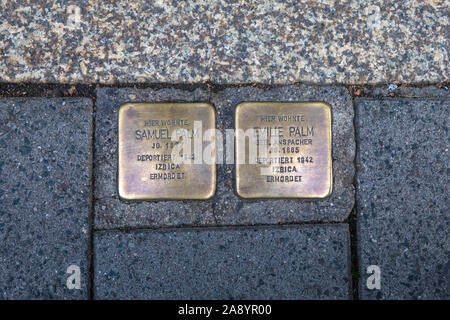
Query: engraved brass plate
(287, 151)
(147, 170)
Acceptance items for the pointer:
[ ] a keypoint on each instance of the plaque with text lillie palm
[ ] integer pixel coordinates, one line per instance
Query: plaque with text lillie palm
(283, 150)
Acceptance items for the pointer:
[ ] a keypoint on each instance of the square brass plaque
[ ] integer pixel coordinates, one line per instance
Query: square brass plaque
(287, 151)
(147, 169)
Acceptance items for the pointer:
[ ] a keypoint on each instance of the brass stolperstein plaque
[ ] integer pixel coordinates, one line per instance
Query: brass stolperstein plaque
(150, 137)
(283, 150)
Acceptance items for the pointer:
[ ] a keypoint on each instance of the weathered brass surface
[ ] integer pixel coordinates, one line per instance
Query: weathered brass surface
(146, 168)
(301, 167)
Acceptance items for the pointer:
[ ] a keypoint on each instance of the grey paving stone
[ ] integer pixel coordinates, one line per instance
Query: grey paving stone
(232, 210)
(405, 91)
(45, 173)
(110, 212)
(225, 208)
(303, 262)
(274, 41)
(403, 206)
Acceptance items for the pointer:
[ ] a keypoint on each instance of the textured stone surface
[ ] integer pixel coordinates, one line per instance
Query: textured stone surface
(225, 208)
(111, 212)
(404, 91)
(403, 207)
(274, 41)
(231, 209)
(45, 172)
(306, 262)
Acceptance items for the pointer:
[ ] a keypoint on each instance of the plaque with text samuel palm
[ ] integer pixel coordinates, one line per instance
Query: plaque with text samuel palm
(166, 151)
(283, 150)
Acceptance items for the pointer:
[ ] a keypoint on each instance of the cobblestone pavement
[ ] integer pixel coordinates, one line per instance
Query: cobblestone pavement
(59, 206)
(67, 66)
